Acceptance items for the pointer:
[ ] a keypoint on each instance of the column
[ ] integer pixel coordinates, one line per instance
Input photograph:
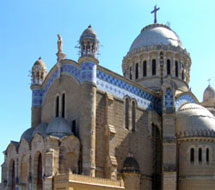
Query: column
(158, 72)
(173, 66)
(140, 69)
(149, 66)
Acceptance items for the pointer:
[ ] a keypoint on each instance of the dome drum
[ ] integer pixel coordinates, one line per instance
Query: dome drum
(140, 68)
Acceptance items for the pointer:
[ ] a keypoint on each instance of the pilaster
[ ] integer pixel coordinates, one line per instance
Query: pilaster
(169, 148)
(111, 162)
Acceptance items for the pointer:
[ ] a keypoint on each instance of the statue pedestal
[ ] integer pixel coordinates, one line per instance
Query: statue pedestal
(60, 56)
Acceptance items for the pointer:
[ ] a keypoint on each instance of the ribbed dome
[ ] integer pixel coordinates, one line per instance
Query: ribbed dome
(27, 134)
(209, 94)
(130, 165)
(89, 35)
(194, 120)
(40, 129)
(156, 34)
(40, 63)
(58, 127)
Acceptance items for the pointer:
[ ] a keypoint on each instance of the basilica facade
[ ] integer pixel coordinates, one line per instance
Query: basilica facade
(92, 128)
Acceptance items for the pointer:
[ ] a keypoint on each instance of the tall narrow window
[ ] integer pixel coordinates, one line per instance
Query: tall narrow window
(192, 155)
(176, 68)
(153, 67)
(12, 180)
(57, 106)
(207, 155)
(144, 68)
(182, 74)
(182, 71)
(63, 105)
(39, 173)
(130, 73)
(168, 67)
(74, 127)
(133, 115)
(127, 113)
(200, 155)
(136, 71)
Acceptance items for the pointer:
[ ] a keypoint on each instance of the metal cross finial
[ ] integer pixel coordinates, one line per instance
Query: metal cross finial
(209, 81)
(155, 13)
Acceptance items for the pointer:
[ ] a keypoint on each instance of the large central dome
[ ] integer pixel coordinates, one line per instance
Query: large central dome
(156, 34)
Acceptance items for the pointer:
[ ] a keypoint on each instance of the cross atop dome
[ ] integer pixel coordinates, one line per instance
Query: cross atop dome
(209, 81)
(155, 13)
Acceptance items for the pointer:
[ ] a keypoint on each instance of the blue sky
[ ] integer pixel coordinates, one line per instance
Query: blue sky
(29, 30)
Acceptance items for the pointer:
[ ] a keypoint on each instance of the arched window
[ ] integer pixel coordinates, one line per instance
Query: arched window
(74, 127)
(207, 155)
(39, 173)
(130, 73)
(182, 71)
(133, 115)
(157, 163)
(200, 155)
(168, 67)
(136, 71)
(182, 74)
(12, 181)
(192, 155)
(153, 67)
(63, 105)
(127, 113)
(57, 107)
(144, 68)
(176, 68)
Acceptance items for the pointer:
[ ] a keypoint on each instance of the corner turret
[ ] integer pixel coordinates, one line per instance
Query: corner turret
(38, 75)
(89, 42)
(38, 72)
(88, 67)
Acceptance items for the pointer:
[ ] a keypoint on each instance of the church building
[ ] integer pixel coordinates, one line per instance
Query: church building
(94, 129)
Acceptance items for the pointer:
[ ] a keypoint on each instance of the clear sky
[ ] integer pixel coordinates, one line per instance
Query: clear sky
(29, 30)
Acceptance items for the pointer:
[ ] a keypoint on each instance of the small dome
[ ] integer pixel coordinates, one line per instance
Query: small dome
(40, 63)
(58, 127)
(89, 35)
(156, 34)
(209, 94)
(194, 120)
(40, 129)
(89, 30)
(38, 73)
(130, 165)
(27, 134)
(89, 42)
